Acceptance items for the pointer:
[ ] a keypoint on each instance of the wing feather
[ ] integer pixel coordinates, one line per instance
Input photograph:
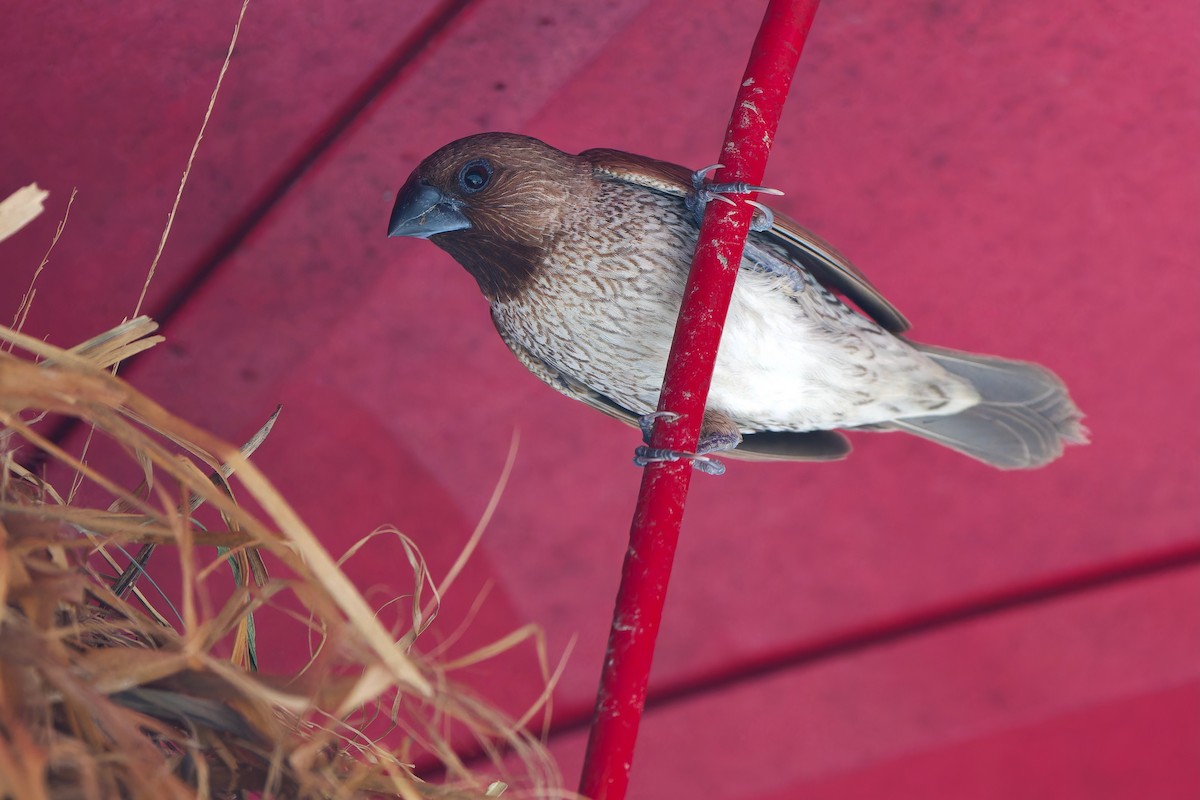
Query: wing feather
(820, 258)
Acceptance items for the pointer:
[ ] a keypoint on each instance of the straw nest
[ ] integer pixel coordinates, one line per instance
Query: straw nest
(106, 694)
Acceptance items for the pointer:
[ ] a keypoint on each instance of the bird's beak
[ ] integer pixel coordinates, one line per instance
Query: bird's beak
(422, 211)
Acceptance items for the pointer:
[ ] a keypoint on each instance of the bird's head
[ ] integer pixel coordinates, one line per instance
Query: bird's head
(494, 201)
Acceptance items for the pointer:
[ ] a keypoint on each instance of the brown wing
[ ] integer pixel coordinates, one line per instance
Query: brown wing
(785, 446)
(816, 255)
(662, 176)
(836, 273)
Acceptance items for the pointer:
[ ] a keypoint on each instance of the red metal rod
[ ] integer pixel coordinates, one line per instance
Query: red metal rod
(655, 530)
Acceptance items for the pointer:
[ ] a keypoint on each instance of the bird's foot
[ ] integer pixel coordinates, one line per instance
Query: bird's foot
(650, 455)
(703, 191)
(763, 219)
(646, 422)
(712, 443)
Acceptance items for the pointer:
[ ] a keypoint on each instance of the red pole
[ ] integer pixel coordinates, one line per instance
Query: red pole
(655, 530)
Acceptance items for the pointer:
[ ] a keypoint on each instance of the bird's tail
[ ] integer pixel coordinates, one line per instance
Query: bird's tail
(1025, 419)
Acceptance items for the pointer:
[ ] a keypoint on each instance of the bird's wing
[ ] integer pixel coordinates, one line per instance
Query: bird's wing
(767, 446)
(826, 264)
(835, 273)
(662, 176)
(792, 446)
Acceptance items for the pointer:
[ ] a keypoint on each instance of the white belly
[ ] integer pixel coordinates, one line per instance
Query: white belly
(791, 358)
(787, 366)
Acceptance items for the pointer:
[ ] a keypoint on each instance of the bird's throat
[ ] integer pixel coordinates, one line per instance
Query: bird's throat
(502, 268)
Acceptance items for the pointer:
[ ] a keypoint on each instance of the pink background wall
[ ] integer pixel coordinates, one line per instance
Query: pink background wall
(1020, 178)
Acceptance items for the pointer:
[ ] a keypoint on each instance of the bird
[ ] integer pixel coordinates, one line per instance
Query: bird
(583, 261)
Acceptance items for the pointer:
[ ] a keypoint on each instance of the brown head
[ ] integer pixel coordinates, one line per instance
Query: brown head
(493, 201)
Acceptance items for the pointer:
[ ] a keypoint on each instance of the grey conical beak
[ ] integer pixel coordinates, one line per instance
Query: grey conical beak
(422, 211)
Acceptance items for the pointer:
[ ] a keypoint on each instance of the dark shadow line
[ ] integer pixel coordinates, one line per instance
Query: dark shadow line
(932, 619)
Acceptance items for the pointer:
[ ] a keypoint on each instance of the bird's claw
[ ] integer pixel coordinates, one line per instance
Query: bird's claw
(707, 444)
(643, 456)
(646, 422)
(764, 218)
(703, 191)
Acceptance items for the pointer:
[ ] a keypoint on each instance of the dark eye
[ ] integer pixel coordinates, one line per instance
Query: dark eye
(475, 175)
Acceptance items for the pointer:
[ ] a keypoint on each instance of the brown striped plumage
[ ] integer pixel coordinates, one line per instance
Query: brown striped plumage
(584, 258)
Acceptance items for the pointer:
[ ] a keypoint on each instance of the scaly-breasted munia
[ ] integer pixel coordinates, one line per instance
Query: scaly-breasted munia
(584, 258)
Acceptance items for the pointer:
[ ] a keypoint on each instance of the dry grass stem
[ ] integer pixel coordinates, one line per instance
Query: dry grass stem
(103, 694)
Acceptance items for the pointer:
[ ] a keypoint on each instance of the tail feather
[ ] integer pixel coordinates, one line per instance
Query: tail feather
(1025, 419)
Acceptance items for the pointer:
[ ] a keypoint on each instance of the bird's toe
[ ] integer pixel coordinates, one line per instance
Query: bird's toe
(644, 456)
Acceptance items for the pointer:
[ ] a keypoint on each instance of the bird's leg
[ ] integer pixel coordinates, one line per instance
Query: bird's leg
(717, 434)
(646, 422)
(649, 455)
(703, 191)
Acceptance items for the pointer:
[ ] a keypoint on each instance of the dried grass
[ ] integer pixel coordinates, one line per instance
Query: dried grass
(101, 697)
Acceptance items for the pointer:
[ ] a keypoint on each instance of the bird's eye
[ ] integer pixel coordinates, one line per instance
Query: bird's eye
(475, 175)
